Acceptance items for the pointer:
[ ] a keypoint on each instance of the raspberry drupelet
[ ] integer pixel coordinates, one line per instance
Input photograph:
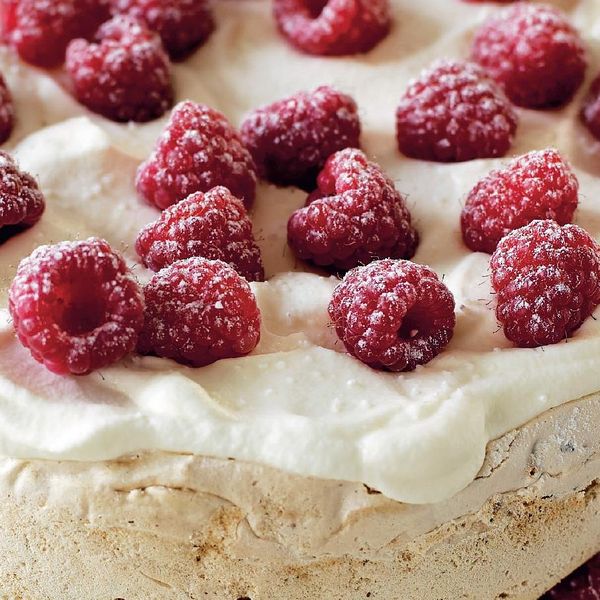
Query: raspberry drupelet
(354, 217)
(533, 52)
(7, 112)
(292, 138)
(198, 150)
(76, 306)
(21, 200)
(333, 27)
(393, 314)
(125, 76)
(183, 25)
(537, 185)
(547, 281)
(199, 311)
(212, 225)
(40, 30)
(454, 113)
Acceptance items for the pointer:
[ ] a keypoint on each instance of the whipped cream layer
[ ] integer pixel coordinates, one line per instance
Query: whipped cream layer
(298, 402)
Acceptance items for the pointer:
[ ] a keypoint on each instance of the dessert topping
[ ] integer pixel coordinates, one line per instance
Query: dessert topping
(125, 75)
(183, 25)
(533, 52)
(537, 185)
(354, 217)
(76, 306)
(333, 27)
(292, 138)
(198, 150)
(213, 225)
(393, 314)
(454, 113)
(40, 30)
(21, 200)
(547, 281)
(199, 311)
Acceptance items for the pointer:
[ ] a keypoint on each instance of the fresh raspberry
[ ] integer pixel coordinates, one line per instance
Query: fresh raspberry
(333, 27)
(198, 150)
(214, 225)
(533, 52)
(291, 139)
(126, 76)
(183, 25)
(40, 30)
(7, 111)
(355, 216)
(76, 306)
(538, 185)
(547, 280)
(590, 112)
(199, 311)
(583, 584)
(393, 314)
(8, 16)
(453, 113)
(21, 201)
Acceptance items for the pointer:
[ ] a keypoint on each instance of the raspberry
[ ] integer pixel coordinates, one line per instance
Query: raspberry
(76, 306)
(355, 216)
(393, 315)
(453, 113)
(40, 30)
(583, 584)
(547, 281)
(21, 201)
(183, 25)
(538, 185)
(333, 27)
(199, 311)
(590, 112)
(533, 52)
(7, 112)
(291, 139)
(126, 76)
(214, 225)
(198, 150)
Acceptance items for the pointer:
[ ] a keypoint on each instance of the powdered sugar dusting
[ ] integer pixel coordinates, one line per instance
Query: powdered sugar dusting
(199, 311)
(21, 200)
(292, 138)
(355, 216)
(393, 315)
(453, 113)
(533, 52)
(537, 185)
(340, 27)
(40, 30)
(214, 225)
(125, 76)
(547, 279)
(183, 25)
(76, 306)
(198, 150)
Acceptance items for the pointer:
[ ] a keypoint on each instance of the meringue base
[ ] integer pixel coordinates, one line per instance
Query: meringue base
(169, 526)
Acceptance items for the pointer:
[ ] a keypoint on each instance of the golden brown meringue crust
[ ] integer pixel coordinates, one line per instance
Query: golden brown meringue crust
(169, 526)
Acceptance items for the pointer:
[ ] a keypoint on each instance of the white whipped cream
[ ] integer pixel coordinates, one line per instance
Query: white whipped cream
(298, 402)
